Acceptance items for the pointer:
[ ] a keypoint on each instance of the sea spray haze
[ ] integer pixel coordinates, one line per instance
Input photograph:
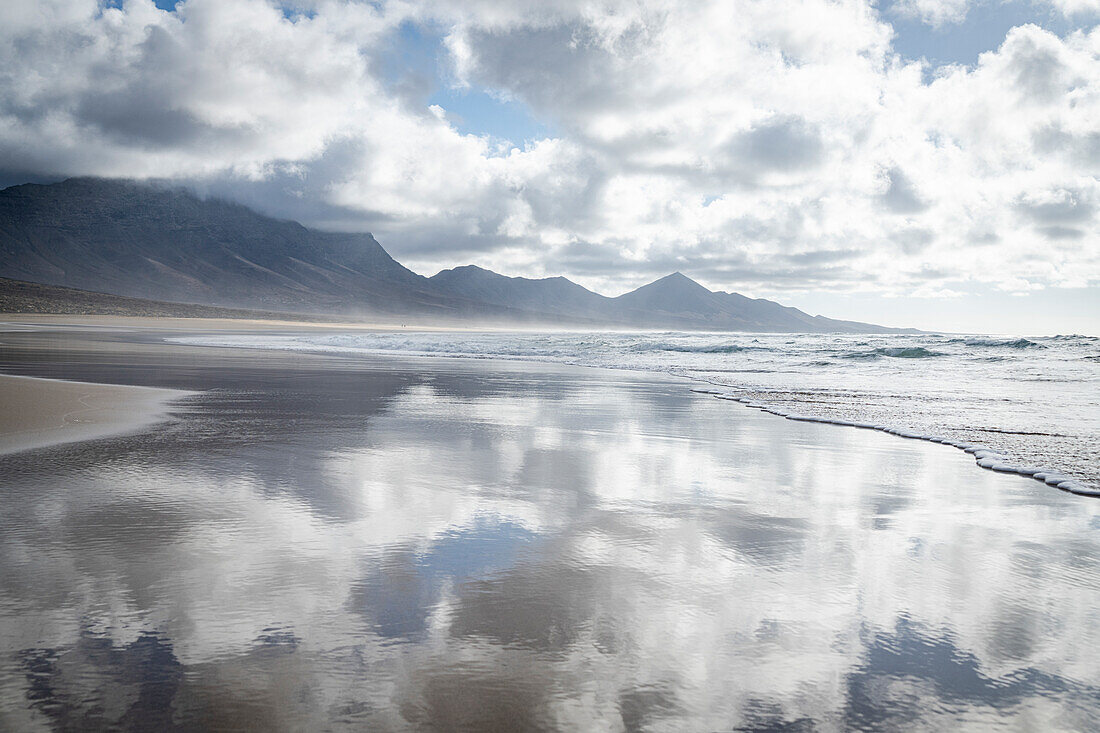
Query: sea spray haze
(1035, 399)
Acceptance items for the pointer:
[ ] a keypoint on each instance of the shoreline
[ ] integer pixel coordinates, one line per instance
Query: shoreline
(39, 413)
(986, 457)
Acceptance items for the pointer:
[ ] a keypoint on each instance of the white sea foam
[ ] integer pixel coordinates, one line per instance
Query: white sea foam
(984, 457)
(1014, 403)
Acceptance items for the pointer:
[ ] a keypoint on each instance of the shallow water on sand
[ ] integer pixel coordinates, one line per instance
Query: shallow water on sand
(386, 544)
(1034, 400)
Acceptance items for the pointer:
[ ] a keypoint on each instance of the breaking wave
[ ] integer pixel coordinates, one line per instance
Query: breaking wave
(904, 352)
(1020, 343)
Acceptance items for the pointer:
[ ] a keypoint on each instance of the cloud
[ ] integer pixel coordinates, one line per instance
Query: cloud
(900, 196)
(913, 240)
(933, 12)
(781, 145)
(1072, 8)
(1059, 206)
(727, 140)
(938, 13)
(1060, 232)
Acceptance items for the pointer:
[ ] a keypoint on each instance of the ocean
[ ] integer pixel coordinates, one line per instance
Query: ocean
(1028, 405)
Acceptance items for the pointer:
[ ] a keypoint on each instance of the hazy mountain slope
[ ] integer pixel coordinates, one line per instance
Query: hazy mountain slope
(674, 296)
(674, 301)
(552, 295)
(18, 296)
(681, 302)
(148, 242)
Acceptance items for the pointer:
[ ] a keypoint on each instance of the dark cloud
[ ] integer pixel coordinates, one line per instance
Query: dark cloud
(571, 196)
(562, 68)
(819, 257)
(1057, 232)
(983, 237)
(901, 197)
(138, 101)
(142, 117)
(1078, 148)
(927, 272)
(784, 144)
(914, 240)
(1066, 206)
(1039, 73)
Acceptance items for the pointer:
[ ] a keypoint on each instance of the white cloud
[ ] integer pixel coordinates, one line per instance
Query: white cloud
(938, 13)
(1071, 8)
(934, 12)
(222, 86)
(771, 146)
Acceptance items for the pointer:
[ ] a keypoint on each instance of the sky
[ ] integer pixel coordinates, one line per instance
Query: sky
(927, 163)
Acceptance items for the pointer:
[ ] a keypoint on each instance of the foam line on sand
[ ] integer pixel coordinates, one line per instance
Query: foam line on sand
(985, 457)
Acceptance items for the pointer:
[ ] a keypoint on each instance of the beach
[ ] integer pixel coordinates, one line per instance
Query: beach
(284, 540)
(35, 413)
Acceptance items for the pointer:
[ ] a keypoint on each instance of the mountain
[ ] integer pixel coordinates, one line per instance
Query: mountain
(554, 296)
(144, 241)
(675, 302)
(17, 296)
(166, 244)
(673, 296)
(684, 301)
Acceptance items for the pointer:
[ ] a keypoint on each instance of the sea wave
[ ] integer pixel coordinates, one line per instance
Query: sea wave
(901, 352)
(1020, 343)
(708, 349)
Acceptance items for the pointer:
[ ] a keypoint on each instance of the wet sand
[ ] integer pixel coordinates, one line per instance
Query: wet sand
(325, 543)
(35, 413)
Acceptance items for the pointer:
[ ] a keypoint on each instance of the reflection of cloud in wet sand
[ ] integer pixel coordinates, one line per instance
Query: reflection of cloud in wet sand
(575, 554)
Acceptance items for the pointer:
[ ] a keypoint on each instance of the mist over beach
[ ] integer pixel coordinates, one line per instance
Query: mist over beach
(504, 366)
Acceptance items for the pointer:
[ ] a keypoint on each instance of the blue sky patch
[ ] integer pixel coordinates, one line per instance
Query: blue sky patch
(984, 29)
(418, 62)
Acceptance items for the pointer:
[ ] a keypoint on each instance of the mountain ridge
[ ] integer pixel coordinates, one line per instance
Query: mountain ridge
(164, 243)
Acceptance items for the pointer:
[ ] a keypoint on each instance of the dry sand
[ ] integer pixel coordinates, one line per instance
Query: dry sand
(35, 413)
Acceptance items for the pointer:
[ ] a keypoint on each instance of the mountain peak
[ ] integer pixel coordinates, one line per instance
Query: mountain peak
(464, 271)
(470, 272)
(557, 296)
(677, 280)
(673, 293)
